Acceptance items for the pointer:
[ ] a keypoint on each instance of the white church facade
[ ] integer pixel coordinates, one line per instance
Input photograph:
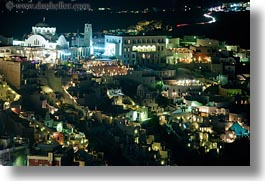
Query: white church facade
(46, 45)
(43, 35)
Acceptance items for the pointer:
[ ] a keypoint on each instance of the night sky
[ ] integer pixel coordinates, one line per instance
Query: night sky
(141, 3)
(17, 24)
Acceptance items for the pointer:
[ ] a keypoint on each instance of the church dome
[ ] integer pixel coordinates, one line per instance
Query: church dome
(42, 24)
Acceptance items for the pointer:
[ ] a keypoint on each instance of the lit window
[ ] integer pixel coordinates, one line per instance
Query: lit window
(153, 48)
(144, 48)
(134, 48)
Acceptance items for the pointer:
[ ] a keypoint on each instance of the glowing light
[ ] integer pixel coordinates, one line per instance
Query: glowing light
(211, 17)
(144, 48)
(59, 127)
(110, 49)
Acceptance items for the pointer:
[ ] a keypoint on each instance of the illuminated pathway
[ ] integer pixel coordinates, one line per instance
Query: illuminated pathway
(206, 15)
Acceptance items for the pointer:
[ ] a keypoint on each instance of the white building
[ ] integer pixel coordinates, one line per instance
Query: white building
(178, 88)
(82, 43)
(88, 41)
(44, 35)
(136, 49)
(44, 44)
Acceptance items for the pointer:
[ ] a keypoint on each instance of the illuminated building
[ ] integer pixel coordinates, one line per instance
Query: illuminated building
(44, 44)
(176, 88)
(136, 49)
(20, 73)
(44, 35)
(173, 43)
(139, 114)
(207, 42)
(82, 44)
(180, 55)
(6, 52)
(59, 137)
(50, 160)
(88, 42)
(239, 129)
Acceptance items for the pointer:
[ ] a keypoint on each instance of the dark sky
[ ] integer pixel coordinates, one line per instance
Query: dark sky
(135, 3)
(152, 3)
(131, 4)
(227, 27)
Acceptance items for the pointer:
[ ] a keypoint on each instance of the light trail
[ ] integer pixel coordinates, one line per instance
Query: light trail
(206, 15)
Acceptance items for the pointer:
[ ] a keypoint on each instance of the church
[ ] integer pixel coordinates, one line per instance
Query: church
(49, 46)
(44, 35)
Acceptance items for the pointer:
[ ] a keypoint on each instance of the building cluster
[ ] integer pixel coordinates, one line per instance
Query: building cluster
(46, 45)
(69, 106)
(232, 6)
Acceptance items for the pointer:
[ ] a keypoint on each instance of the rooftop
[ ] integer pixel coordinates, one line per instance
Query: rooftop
(42, 24)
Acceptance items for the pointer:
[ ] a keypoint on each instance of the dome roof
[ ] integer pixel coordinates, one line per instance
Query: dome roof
(42, 24)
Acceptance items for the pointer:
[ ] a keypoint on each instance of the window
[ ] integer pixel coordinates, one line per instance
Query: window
(134, 48)
(36, 42)
(148, 56)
